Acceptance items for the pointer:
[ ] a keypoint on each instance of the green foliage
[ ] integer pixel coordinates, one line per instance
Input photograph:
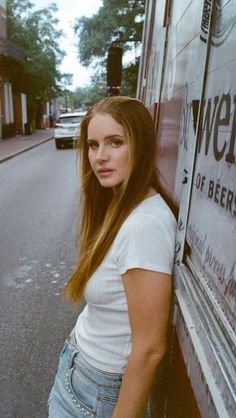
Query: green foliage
(35, 33)
(85, 97)
(130, 74)
(117, 21)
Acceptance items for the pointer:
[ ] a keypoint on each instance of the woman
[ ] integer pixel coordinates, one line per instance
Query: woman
(126, 249)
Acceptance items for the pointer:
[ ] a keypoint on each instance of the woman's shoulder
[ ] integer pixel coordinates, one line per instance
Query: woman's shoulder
(152, 208)
(151, 214)
(146, 238)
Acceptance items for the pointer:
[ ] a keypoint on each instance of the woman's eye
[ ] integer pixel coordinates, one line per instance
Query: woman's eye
(92, 145)
(117, 142)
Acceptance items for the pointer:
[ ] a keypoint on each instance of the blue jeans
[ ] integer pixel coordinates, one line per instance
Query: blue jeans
(80, 390)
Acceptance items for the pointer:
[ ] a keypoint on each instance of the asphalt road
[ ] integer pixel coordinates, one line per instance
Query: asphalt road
(38, 218)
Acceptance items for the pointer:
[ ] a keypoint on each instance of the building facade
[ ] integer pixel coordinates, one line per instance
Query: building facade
(13, 105)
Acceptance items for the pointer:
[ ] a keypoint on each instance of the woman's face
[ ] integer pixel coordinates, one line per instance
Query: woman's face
(108, 150)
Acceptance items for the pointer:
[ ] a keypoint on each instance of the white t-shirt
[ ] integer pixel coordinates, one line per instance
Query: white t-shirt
(145, 240)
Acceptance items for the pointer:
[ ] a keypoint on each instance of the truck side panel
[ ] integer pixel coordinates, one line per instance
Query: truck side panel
(190, 89)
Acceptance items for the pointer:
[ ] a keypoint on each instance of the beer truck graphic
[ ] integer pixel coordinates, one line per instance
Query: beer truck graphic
(187, 79)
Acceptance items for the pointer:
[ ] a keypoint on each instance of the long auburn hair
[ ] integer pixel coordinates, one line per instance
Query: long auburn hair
(103, 211)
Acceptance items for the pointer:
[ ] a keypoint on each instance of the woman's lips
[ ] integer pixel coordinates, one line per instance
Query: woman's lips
(104, 171)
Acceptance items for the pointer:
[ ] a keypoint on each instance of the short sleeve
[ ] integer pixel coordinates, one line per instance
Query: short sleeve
(145, 242)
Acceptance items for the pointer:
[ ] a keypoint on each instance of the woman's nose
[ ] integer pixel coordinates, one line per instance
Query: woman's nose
(101, 154)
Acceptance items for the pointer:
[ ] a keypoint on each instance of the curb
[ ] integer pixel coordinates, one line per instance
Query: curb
(14, 154)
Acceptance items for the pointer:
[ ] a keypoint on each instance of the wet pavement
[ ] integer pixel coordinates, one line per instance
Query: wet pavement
(38, 222)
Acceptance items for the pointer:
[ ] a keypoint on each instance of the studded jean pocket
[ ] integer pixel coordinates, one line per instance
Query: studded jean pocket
(82, 391)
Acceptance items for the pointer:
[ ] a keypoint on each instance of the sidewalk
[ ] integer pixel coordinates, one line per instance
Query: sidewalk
(13, 146)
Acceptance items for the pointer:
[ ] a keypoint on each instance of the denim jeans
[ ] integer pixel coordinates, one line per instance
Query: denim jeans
(80, 390)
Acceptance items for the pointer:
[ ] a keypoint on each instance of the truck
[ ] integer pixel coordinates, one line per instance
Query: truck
(187, 79)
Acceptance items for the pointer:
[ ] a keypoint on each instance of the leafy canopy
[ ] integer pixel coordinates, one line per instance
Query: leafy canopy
(35, 33)
(117, 21)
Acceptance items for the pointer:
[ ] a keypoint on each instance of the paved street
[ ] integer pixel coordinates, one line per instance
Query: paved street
(38, 212)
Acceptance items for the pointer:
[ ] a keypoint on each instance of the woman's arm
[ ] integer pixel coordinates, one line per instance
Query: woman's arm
(148, 296)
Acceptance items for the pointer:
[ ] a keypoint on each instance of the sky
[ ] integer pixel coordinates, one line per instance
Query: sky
(68, 11)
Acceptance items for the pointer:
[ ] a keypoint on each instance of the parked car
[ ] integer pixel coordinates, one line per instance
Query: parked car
(67, 128)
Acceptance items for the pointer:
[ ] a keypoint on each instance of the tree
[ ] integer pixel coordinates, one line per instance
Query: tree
(35, 33)
(85, 97)
(118, 22)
